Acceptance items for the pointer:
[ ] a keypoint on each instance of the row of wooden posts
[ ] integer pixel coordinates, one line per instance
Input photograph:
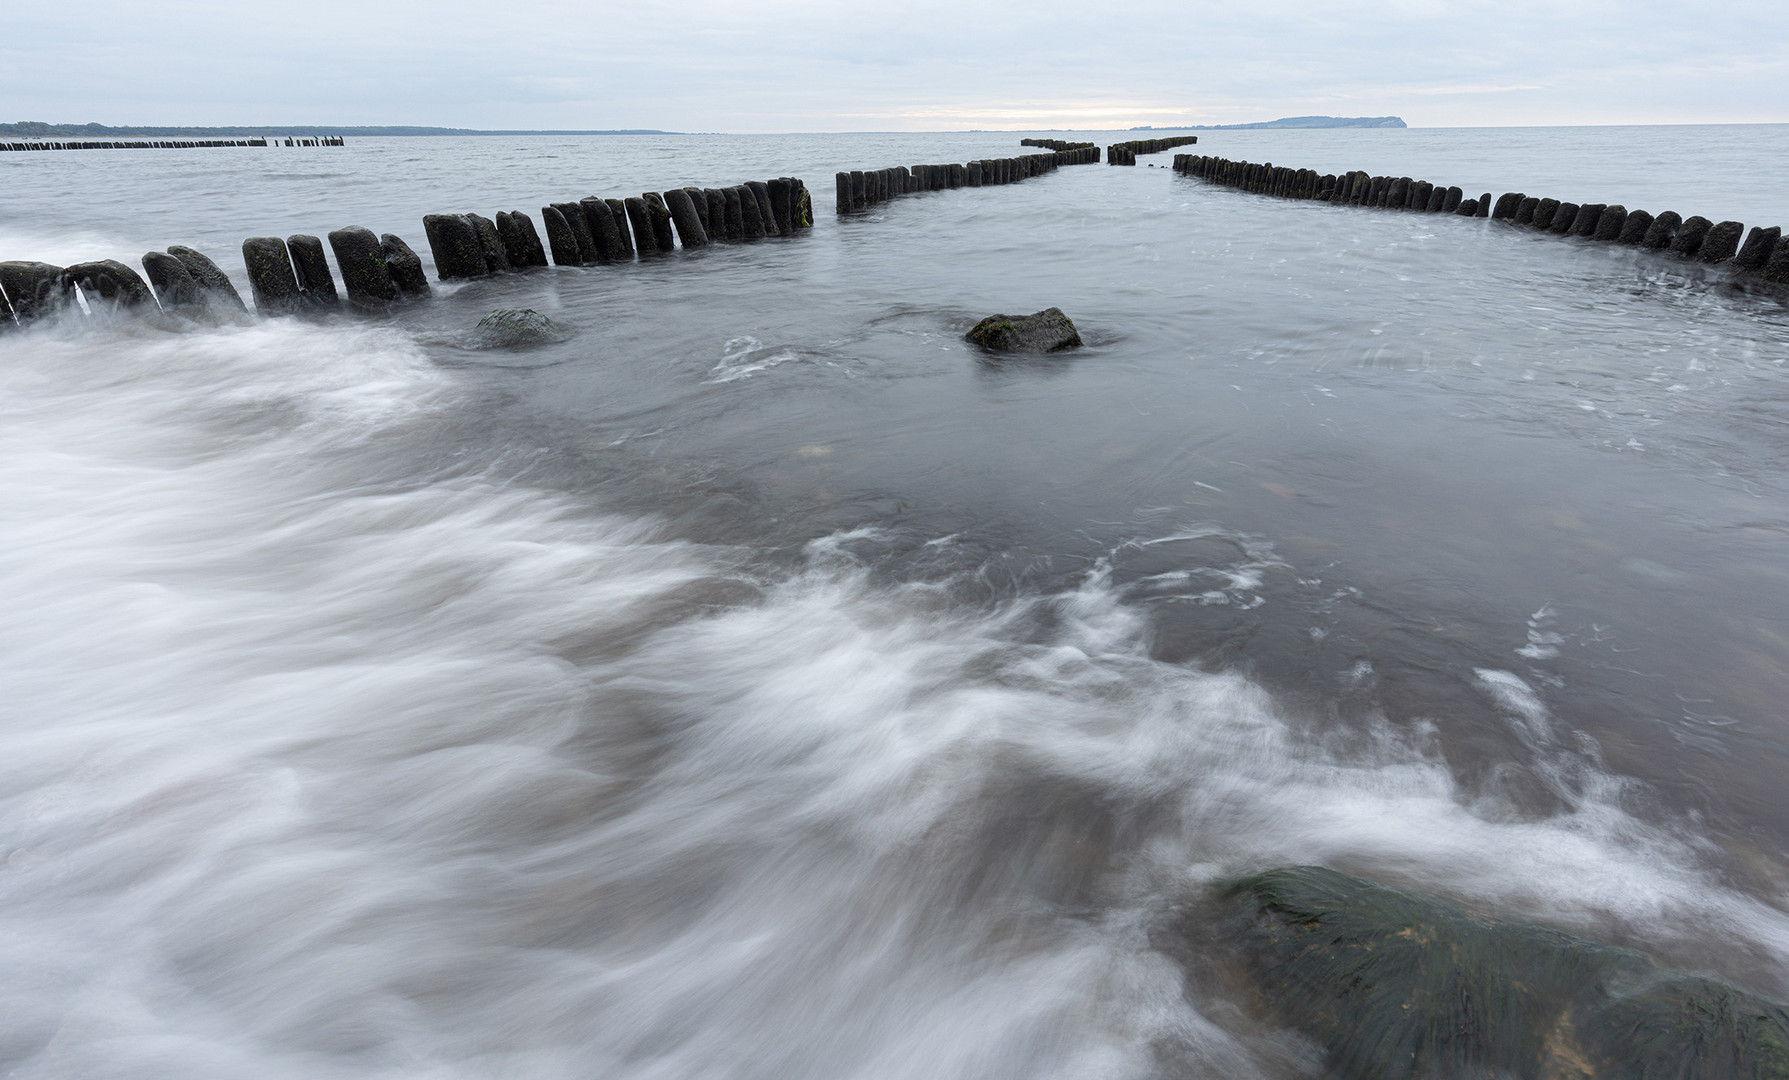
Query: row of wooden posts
(593, 230)
(1763, 252)
(292, 276)
(162, 144)
(1125, 153)
(1055, 144)
(858, 190)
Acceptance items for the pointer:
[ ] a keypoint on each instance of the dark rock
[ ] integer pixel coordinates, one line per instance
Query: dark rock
(270, 276)
(1564, 217)
(660, 216)
(362, 261)
(766, 213)
(604, 230)
(573, 213)
(1634, 229)
(312, 271)
(752, 221)
(173, 283)
(405, 266)
(717, 214)
(735, 214)
(1756, 253)
(618, 212)
(1047, 331)
(1399, 987)
(1506, 205)
(520, 239)
(1588, 215)
(34, 289)
(1544, 212)
(453, 241)
(683, 214)
(220, 292)
(560, 238)
(1721, 243)
(644, 238)
(1467, 208)
(490, 241)
(1608, 227)
(508, 328)
(1663, 230)
(1690, 236)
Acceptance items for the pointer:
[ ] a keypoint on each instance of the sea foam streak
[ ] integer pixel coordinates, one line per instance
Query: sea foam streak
(317, 765)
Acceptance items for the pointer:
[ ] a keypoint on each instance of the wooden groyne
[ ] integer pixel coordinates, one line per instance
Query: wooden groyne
(1057, 144)
(293, 277)
(161, 144)
(860, 190)
(1762, 254)
(1125, 153)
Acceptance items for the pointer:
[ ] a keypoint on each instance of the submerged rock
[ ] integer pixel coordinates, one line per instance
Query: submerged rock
(507, 328)
(1400, 987)
(1046, 331)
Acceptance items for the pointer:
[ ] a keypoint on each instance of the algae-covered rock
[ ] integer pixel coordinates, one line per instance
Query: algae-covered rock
(1395, 986)
(1046, 331)
(508, 328)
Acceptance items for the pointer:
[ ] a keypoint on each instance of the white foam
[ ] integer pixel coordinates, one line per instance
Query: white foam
(315, 766)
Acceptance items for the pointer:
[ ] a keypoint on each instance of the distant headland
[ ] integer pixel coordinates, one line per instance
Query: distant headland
(35, 129)
(1297, 122)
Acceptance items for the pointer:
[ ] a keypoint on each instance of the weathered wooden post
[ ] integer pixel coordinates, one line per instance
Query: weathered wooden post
(220, 293)
(174, 287)
(560, 239)
(1721, 243)
(405, 266)
(453, 242)
(362, 261)
(270, 276)
(605, 231)
(1663, 230)
(618, 214)
(681, 209)
(491, 243)
(1690, 236)
(312, 271)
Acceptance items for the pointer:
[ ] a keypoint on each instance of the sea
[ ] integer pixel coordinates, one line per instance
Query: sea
(763, 683)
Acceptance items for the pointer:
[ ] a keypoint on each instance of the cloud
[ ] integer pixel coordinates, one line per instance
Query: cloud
(803, 65)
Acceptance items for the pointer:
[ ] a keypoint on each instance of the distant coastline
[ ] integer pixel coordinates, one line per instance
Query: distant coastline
(34, 129)
(1297, 122)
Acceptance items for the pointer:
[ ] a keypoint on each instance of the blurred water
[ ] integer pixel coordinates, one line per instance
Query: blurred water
(762, 683)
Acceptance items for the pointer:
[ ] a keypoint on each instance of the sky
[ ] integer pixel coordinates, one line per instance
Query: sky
(917, 65)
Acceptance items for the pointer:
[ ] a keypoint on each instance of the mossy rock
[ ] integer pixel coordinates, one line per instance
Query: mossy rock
(1395, 986)
(1044, 332)
(508, 328)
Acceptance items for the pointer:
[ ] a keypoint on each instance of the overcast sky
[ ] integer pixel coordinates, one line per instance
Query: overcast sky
(796, 65)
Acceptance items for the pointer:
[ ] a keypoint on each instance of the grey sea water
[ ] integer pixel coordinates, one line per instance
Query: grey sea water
(762, 683)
